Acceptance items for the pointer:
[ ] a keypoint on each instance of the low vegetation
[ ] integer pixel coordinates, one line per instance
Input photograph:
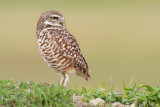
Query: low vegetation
(31, 94)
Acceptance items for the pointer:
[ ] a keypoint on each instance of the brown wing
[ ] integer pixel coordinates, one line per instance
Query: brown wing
(70, 48)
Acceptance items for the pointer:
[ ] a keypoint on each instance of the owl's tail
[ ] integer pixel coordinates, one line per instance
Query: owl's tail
(88, 77)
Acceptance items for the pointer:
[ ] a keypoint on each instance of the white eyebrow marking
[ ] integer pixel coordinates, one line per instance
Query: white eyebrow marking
(49, 23)
(54, 15)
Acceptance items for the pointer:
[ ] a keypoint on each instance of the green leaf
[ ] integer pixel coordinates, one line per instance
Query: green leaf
(111, 98)
(117, 93)
(149, 88)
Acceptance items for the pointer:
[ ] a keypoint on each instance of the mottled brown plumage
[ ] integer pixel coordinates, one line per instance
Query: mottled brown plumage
(59, 48)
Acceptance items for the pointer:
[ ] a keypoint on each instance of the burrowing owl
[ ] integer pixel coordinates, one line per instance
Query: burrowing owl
(59, 48)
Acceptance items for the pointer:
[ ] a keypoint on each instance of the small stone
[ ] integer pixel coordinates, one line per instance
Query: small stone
(97, 102)
(78, 101)
(116, 104)
(132, 105)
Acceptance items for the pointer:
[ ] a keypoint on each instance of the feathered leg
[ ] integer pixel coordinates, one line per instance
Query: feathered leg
(62, 79)
(66, 79)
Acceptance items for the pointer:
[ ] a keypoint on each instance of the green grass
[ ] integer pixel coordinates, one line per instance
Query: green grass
(33, 94)
(43, 94)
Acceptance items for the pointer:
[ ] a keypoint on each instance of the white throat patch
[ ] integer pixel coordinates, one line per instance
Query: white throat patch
(48, 23)
(53, 24)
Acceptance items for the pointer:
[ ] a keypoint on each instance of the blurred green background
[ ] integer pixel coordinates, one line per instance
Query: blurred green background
(120, 40)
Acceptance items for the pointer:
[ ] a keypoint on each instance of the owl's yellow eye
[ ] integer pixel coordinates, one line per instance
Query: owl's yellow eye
(54, 18)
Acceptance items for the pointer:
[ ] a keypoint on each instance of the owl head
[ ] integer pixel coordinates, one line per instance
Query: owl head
(51, 18)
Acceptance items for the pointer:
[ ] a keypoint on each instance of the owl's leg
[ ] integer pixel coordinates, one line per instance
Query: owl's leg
(66, 79)
(62, 79)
